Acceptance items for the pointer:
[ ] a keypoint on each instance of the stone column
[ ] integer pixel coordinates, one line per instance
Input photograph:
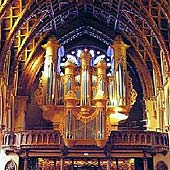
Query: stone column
(145, 164)
(26, 162)
(55, 168)
(62, 163)
(107, 152)
(3, 93)
(1, 138)
(117, 164)
(108, 163)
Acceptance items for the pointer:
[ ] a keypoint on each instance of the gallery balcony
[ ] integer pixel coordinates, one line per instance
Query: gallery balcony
(31, 139)
(155, 142)
(118, 140)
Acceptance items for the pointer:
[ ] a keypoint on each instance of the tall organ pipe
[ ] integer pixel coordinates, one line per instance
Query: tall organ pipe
(69, 125)
(120, 70)
(50, 64)
(100, 124)
(101, 78)
(69, 80)
(85, 78)
(101, 99)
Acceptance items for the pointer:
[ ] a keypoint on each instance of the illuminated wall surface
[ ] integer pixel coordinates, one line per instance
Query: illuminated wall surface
(84, 84)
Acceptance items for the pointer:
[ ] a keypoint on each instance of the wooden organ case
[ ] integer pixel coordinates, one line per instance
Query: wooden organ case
(85, 104)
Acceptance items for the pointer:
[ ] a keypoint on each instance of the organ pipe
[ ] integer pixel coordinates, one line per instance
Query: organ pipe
(100, 99)
(101, 125)
(69, 125)
(60, 91)
(101, 78)
(120, 71)
(85, 78)
(49, 73)
(69, 77)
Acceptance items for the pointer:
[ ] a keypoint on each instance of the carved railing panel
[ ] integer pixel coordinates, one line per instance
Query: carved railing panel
(151, 141)
(31, 139)
(156, 141)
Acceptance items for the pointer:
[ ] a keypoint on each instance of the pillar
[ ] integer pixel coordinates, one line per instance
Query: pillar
(3, 92)
(99, 166)
(26, 162)
(10, 109)
(117, 164)
(62, 163)
(20, 104)
(145, 164)
(55, 168)
(108, 163)
(152, 114)
(1, 138)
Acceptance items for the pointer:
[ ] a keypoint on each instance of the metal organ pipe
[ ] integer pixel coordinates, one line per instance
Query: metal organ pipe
(101, 74)
(120, 66)
(69, 78)
(50, 63)
(117, 88)
(60, 91)
(85, 78)
(101, 99)
(120, 80)
(50, 86)
(101, 124)
(69, 125)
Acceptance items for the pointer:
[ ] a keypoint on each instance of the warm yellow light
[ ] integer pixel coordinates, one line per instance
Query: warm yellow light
(100, 94)
(116, 117)
(113, 102)
(47, 66)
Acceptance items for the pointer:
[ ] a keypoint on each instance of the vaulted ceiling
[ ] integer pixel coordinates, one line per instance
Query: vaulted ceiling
(26, 25)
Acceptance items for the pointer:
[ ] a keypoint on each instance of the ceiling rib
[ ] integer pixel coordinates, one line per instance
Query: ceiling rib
(165, 7)
(150, 50)
(154, 27)
(3, 8)
(144, 74)
(21, 19)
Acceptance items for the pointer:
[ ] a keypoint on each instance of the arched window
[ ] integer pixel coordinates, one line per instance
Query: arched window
(74, 55)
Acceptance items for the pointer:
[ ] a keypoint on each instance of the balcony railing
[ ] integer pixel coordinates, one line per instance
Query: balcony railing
(151, 141)
(31, 139)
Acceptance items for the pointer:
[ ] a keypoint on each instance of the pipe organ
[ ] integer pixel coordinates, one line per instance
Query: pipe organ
(83, 98)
